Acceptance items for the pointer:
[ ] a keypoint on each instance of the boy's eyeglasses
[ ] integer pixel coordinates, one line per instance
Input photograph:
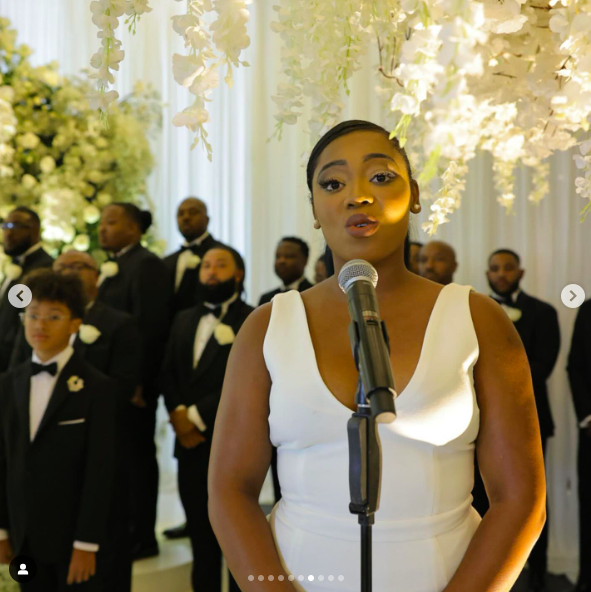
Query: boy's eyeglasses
(14, 225)
(54, 318)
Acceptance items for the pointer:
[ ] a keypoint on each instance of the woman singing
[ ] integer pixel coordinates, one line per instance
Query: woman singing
(463, 382)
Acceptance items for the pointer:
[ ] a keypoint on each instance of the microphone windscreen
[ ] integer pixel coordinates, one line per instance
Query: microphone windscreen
(354, 270)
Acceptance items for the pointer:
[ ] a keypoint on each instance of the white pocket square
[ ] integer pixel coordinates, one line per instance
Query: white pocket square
(71, 421)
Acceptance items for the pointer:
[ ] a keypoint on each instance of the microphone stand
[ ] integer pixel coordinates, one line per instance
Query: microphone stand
(365, 462)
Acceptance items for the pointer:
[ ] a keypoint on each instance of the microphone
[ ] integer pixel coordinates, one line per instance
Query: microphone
(369, 338)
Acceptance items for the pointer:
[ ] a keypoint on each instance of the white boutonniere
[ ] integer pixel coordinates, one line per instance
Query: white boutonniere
(513, 313)
(13, 271)
(108, 269)
(75, 384)
(193, 261)
(88, 333)
(224, 334)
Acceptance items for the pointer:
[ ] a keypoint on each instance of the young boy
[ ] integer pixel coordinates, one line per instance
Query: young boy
(57, 441)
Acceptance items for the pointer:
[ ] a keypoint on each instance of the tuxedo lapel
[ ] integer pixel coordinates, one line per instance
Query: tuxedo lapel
(92, 317)
(213, 347)
(22, 394)
(60, 392)
(188, 341)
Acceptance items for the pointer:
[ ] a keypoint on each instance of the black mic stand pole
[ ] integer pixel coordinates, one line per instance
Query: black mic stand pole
(365, 461)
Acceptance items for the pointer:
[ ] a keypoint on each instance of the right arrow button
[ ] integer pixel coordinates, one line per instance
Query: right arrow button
(573, 296)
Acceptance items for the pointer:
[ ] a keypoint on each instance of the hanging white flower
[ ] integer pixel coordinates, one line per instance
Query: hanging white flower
(88, 333)
(224, 334)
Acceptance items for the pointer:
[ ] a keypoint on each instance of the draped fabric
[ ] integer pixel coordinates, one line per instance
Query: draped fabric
(256, 190)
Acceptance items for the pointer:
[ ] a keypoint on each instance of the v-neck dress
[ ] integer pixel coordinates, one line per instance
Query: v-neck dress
(425, 520)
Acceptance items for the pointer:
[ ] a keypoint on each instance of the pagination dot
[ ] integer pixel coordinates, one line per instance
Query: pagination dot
(311, 578)
(280, 578)
(250, 578)
(301, 578)
(261, 578)
(330, 578)
(291, 578)
(271, 578)
(341, 578)
(321, 578)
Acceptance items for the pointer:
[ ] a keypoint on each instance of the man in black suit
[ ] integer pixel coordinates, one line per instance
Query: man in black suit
(291, 258)
(579, 374)
(108, 339)
(192, 378)
(21, 234)
(413, 256)
(57, 446)
(192, 220)
(137, 282)
(537, 324)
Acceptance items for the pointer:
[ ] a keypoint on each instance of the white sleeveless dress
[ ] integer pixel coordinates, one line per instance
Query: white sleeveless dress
(425, 521)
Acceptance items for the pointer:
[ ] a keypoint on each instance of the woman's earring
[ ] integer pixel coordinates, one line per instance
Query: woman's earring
(317, 225)
(416, 208)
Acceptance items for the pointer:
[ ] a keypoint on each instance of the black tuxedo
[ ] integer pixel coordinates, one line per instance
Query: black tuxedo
(540, 333)
(267, 296)
(201, 386)
(56, 489)
(190, 292)
(579, 374)
(9, 315)
(116, 353)
(141, 288)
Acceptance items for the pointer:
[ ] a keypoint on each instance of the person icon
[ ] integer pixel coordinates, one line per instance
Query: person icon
(23, 570)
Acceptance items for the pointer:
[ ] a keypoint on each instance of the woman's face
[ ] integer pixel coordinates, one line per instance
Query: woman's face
(361, 173)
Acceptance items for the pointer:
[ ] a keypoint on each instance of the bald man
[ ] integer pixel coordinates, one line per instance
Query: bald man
(192, 220)
(437, 262)
(109, 340)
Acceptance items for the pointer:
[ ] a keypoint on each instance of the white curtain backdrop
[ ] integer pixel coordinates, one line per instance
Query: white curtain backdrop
(256, 191)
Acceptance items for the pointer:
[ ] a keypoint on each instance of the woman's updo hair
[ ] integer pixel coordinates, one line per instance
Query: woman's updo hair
(143, 218)
(348, 127)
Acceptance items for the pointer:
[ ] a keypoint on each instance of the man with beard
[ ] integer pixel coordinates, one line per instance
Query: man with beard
(291, 258)
(192, 220)
(21, 234)
(437, 262)
(413, 259)
(537, 325)
(191, 380)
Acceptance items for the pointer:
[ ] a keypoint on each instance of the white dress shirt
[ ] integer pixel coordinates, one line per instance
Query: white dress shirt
(181, 264)
(41, 389)
(513, 297)
(19, 261)
(205, 329)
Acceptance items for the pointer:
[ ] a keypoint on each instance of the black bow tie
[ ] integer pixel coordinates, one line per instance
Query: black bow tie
(192, 248)
(216, 312)
(505, 300)
(38, 368)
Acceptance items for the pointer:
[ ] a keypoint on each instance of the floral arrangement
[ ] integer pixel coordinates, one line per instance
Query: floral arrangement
(512, 77)
(209, 48)
(57, 156)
